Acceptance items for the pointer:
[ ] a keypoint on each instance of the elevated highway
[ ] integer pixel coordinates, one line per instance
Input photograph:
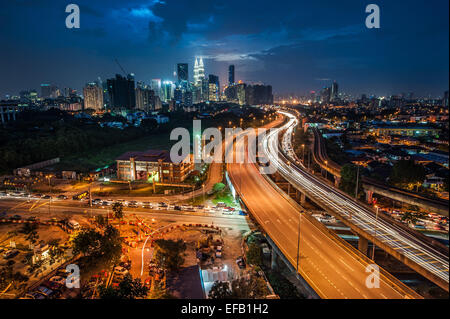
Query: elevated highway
(333, 269)
(320, 156)
(407, 246)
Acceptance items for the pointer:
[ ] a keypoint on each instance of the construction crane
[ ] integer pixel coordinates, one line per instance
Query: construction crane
(125, 73)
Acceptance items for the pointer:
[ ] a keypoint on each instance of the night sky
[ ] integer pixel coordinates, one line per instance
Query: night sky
(296, 46)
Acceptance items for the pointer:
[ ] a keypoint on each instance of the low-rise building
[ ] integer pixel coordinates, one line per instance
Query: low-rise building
(153, 166)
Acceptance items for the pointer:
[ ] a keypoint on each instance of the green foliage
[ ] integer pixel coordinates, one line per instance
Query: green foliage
(252, 287)
(335, 152)
(159, 292)
(39, 136)
(249, 288)
(348, 179)
(168, 254)
(407, 172)
(254, 254)
(220, 290)
(128, 289)
(97, 245)
(218, 187)
(282, 287)
(117, 209)
(100, 220)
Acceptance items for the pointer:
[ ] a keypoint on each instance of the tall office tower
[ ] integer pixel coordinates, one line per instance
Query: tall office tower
(213, 88)
(49, 91)
(231, 75)
(240, 93)
(182, 72)
(121, 92)
(167, 91)
(325, 95)
(178, 95)
(258, 94)
(156, 87)
(199, 71)
(187, 98)
(334, 91)
(204, 89)
(445, 101)
(93, 96)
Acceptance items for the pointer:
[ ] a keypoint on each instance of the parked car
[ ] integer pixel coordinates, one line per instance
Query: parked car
(33, 219)
(15, 217)
(240, 262)
(45, 291)
(62, 197)
(147, 205)
(10, 253)
(46, 197)
(58, 280)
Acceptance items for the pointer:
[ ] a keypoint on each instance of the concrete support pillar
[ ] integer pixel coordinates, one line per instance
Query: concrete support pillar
(369, 196)
(273, 262)
(363, 245)
(302, 198)
(337, 180)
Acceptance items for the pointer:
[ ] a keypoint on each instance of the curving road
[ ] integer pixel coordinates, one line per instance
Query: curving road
(333, 270)
(404, 243)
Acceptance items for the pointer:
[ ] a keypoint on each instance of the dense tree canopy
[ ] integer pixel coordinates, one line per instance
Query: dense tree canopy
(169, 254)
(407, 172)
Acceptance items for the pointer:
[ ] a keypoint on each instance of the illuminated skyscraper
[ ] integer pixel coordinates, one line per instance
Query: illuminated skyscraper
(334, 91)
(93, 96)
(231, 75)
(182, 72)
(199, 71)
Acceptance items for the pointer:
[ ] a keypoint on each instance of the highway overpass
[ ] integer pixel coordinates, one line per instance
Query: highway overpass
(414, 250)
(371, 187)
(329, 265)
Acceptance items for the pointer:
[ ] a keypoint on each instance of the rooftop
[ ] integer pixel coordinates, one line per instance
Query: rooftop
(146, 156)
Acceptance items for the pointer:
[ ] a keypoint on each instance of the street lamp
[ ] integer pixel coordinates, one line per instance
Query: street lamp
(375, 229)
(303, 149)
(298, 238)
(326, 169)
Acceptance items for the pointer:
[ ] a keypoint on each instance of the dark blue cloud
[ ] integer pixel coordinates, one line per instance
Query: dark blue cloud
(289, 44)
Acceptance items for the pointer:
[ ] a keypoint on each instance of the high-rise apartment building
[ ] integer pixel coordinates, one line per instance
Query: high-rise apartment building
(122, 92)
(93, 96)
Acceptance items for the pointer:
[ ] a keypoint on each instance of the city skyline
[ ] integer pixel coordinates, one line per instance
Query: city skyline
(151, 38)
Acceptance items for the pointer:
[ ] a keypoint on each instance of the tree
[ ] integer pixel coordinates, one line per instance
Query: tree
(347, 183)
(254, 254)
(220, 290)
(407, 173)
(128, 288)
(168, 254)
(117, 209)
(218, 187)
(253, 287)
(100, 220)
(159, 292)
(95, 244)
